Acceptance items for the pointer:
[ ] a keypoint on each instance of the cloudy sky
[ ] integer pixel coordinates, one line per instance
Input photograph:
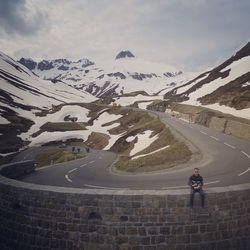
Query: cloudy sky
(190, 34)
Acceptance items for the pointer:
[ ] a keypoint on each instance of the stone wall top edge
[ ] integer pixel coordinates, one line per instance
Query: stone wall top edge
(13, 163)
(66, 190)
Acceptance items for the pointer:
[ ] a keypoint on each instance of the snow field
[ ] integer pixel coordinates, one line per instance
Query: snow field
(51, 93)
(237, 68)
(185, 88)
(244, 113)
(82, 134)
(143, 105)
(72, 110)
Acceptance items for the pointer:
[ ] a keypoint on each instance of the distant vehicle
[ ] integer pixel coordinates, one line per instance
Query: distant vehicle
(63, 145)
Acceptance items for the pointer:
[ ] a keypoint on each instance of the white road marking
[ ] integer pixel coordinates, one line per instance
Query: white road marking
(211, 182)
(83, 165)
(72, 170)
(244, 172)
(248, 156)
(231, 146)
(214, 138)
(204, 133)
(94, 186)
(191, 126)
(67, 178)
(91, 162)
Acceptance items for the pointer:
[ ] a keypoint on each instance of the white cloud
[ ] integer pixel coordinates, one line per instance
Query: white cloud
(187, 34)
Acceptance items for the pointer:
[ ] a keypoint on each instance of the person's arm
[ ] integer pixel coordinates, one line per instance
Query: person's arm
(201, 182)
(191, 183)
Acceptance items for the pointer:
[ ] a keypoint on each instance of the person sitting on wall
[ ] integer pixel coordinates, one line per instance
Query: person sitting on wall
(196, 184)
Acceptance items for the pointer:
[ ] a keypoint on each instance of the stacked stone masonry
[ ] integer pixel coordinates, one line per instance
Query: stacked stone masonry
(42, 217)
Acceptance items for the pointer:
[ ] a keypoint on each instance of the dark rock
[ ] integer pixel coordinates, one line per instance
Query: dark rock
(64, 68)
(45, 65)
(140, 76)
(87, 63)
(28, 63)
(62, 61)
(117, 74)
(124, 54)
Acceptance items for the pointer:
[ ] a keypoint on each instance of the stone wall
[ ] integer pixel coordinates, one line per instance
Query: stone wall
(221, 124)
(218, 124)
(42, 217)
(238, 129)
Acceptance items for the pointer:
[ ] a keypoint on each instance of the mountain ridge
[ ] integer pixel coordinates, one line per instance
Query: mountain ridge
(124, 74)
(229, 80)
(24, 96)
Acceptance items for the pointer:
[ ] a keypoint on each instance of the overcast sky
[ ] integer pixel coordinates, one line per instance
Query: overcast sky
(190, 34)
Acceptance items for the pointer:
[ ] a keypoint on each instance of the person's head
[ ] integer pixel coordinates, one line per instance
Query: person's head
(196, 171)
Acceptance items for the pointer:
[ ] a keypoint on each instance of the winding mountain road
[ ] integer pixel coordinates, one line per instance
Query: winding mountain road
(223, 160)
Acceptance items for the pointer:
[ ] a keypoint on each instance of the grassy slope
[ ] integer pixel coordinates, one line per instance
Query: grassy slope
(136, 122)
(56, 155)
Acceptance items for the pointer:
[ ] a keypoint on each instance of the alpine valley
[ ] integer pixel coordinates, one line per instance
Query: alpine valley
(64, 91)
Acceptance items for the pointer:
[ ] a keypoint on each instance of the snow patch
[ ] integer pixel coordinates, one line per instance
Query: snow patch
(71, 110)
(82, 134)
(158, 150)
(130, 138)
(143, 105)
(237, 69)
(246, 84)
(185, 88)
(3, 120)
(244, 113)
(126, 101)
(98, 127)
(143, 141)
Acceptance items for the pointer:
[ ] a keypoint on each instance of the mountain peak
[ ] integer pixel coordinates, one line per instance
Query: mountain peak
(28, 63)
(124, 54)
(60, 64)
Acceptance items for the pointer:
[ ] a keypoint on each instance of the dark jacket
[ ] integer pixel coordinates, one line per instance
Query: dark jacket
(195, 182)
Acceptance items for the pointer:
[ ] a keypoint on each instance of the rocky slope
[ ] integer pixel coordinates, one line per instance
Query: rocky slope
(226, 85)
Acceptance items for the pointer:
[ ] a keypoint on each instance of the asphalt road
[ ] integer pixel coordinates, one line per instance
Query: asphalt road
(223, 160)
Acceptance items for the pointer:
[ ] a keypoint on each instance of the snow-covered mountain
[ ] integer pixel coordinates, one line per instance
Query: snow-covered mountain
(28, 102)
(23, 95)
(124, 74)
(225, 88)
(36, 112)
(55, 68)
(21, 86)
